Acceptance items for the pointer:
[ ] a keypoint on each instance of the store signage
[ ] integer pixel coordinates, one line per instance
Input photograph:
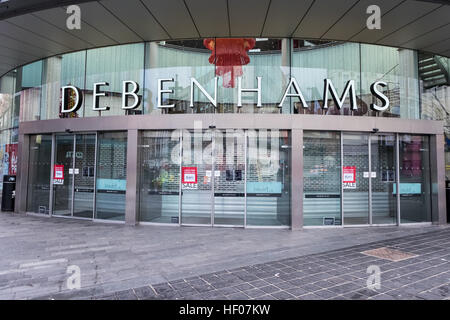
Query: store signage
(189, 174)
(130, 91)
(58, 174)
(349, 177)
(189, 177)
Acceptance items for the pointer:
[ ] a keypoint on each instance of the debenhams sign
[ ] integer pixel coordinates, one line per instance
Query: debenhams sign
(131, 88)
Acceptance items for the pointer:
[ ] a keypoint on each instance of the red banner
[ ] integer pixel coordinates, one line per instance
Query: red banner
(349, 174)
(189, 175)
(58, 172)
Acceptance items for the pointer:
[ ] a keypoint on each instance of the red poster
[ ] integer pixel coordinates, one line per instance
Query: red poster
(189, 175)
(58, 172)
(349, 174)
(11, 149)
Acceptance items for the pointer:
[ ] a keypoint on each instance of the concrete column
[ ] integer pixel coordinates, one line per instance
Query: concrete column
(132, 199)
(22, 174)
(437, 152)
(297, 180)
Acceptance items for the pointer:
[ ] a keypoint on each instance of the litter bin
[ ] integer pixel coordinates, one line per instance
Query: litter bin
(447, 196)
(9, 193)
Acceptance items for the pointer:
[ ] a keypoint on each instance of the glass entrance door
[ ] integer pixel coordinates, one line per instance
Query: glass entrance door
(355, 178)
(383, 178)
(196, 178)
(74, 176)
(368, 179)
(63, 178)
(229, 177)
(213, 178)
(84, 177)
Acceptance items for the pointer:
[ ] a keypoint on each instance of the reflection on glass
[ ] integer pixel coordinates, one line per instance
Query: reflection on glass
(62, 190)
(59, 71)
(84, 175)
(384, 201)
(251, 58)
(39, 174)
(321, 178)
(355, 178)
(196, 171)
(113, 65)
(415, 193)
(229, 177)
(398, 69)
(179, 60)
(7, 90)
(111, 176)
(434, 72)
(160, 176)
(28, 91)
(338, 62)
(268, 178)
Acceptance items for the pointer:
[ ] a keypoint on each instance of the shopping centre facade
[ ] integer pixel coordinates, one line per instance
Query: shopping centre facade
(240, 114)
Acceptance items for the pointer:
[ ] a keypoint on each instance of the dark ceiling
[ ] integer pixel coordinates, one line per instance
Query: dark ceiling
(35, 29)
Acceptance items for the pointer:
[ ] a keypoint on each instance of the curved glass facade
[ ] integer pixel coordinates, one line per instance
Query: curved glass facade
(241, 177)
(37, 86)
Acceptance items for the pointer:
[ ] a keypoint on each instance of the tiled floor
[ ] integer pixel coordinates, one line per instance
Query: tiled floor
(120, 262)
(338, 274)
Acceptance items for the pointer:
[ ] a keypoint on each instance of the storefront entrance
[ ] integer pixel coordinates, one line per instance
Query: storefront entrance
(213, 178)
(369, 177)
(74, 176)
(229, 177)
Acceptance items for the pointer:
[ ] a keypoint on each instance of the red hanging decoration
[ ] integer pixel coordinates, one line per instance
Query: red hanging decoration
(229, 55)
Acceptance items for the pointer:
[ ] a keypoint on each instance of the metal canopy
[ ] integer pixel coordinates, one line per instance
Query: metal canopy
(34, 29)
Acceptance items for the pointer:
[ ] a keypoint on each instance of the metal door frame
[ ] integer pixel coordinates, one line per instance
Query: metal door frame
(397, 177)
(212, 190)
(54, 146)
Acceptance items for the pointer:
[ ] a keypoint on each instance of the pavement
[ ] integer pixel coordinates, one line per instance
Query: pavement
(38, 256)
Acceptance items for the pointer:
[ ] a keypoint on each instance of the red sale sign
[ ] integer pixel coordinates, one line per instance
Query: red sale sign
(58, 172)
(349, 174)
(189, 175)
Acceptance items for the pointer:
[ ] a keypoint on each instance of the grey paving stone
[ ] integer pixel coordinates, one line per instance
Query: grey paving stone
(193, 263)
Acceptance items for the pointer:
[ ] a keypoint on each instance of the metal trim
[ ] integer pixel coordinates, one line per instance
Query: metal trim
(397, 177)
(94, 206)
(245, 176)
(341, 177)
(213, 173)
(73, 172)
(52, 164)
(369, 142)
(180, 190)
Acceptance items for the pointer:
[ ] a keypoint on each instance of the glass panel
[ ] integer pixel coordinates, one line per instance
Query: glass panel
(314, 61)
(28, 91)
(384, 200)
(160, 176)
(268, 178)
(111, 175)
(39, 170)
(59, 71)
(62, 191)
(7, 90)
(229, 177)
(398, 69)
(415, 193)
(178, 60)
(250, 58)
(356, 178)
(196, 174)
(321, 178)
(83, 205)
(113, 65)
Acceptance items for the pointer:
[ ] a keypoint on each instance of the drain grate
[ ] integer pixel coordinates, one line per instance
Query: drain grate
(389, 254)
